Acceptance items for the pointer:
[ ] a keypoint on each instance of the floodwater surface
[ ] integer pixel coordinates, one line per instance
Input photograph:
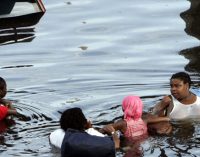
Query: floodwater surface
(92, 53)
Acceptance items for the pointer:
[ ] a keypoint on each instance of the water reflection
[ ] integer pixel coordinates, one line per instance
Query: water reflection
(16, 17)
(192, 20)
(13, 35)
(193, 55)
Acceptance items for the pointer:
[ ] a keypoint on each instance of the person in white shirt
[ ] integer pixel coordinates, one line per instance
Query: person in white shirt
(182, 103)
(57, 136)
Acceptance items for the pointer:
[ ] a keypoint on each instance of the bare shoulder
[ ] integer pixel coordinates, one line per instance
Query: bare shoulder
(120, 125)
(162, 105)
(166, 99)
(120, 122)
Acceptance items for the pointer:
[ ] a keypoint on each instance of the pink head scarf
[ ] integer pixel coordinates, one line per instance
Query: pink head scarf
(132, 107)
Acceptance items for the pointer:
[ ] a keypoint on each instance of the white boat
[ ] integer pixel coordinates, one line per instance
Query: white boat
(20, 13)
(16, 18)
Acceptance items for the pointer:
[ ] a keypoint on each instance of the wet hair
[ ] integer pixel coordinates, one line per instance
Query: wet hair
(182, 76)
(3, 90)
(73, 118)
(2, 83)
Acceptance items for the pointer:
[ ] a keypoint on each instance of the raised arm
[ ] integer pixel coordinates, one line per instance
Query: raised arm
(6, 103)
(119, 125)
(110, 130)
(160, 107)
(149, 118)
(12, 112)
(115, 139)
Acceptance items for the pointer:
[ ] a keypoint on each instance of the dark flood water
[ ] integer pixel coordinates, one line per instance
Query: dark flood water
(92, 53)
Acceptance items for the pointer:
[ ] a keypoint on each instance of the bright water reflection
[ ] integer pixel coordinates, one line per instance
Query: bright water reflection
(91, 54)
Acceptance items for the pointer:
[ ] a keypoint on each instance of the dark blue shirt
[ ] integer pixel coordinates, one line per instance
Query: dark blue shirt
(81, 144)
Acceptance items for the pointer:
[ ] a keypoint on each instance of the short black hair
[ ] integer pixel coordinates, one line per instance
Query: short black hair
(2, 83)
(73, 118)
(182, 76)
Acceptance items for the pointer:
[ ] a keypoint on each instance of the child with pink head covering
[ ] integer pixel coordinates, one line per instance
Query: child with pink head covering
(133, 125)
(133, 107)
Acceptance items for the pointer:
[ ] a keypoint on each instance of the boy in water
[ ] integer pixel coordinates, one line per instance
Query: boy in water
(6, 107)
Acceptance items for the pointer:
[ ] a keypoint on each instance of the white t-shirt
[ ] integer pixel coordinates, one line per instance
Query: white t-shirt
(57, 136)
(181, 111)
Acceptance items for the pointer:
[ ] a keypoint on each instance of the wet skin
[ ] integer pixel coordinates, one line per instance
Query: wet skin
(180, 91)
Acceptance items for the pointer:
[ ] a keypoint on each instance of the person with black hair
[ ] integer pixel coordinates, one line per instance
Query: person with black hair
(6, 107)
(78, 143)
(182, 103)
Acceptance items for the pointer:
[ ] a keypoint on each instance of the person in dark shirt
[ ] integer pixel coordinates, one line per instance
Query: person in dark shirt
(78, 143)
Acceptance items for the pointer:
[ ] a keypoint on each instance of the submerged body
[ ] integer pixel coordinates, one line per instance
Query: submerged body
(78, 143)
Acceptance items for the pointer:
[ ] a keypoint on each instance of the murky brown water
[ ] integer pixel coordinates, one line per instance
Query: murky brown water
(91, 54)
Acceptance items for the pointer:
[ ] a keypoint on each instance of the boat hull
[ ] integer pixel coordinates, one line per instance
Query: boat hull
(20, 21)
(12, 20)
(6, 6)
